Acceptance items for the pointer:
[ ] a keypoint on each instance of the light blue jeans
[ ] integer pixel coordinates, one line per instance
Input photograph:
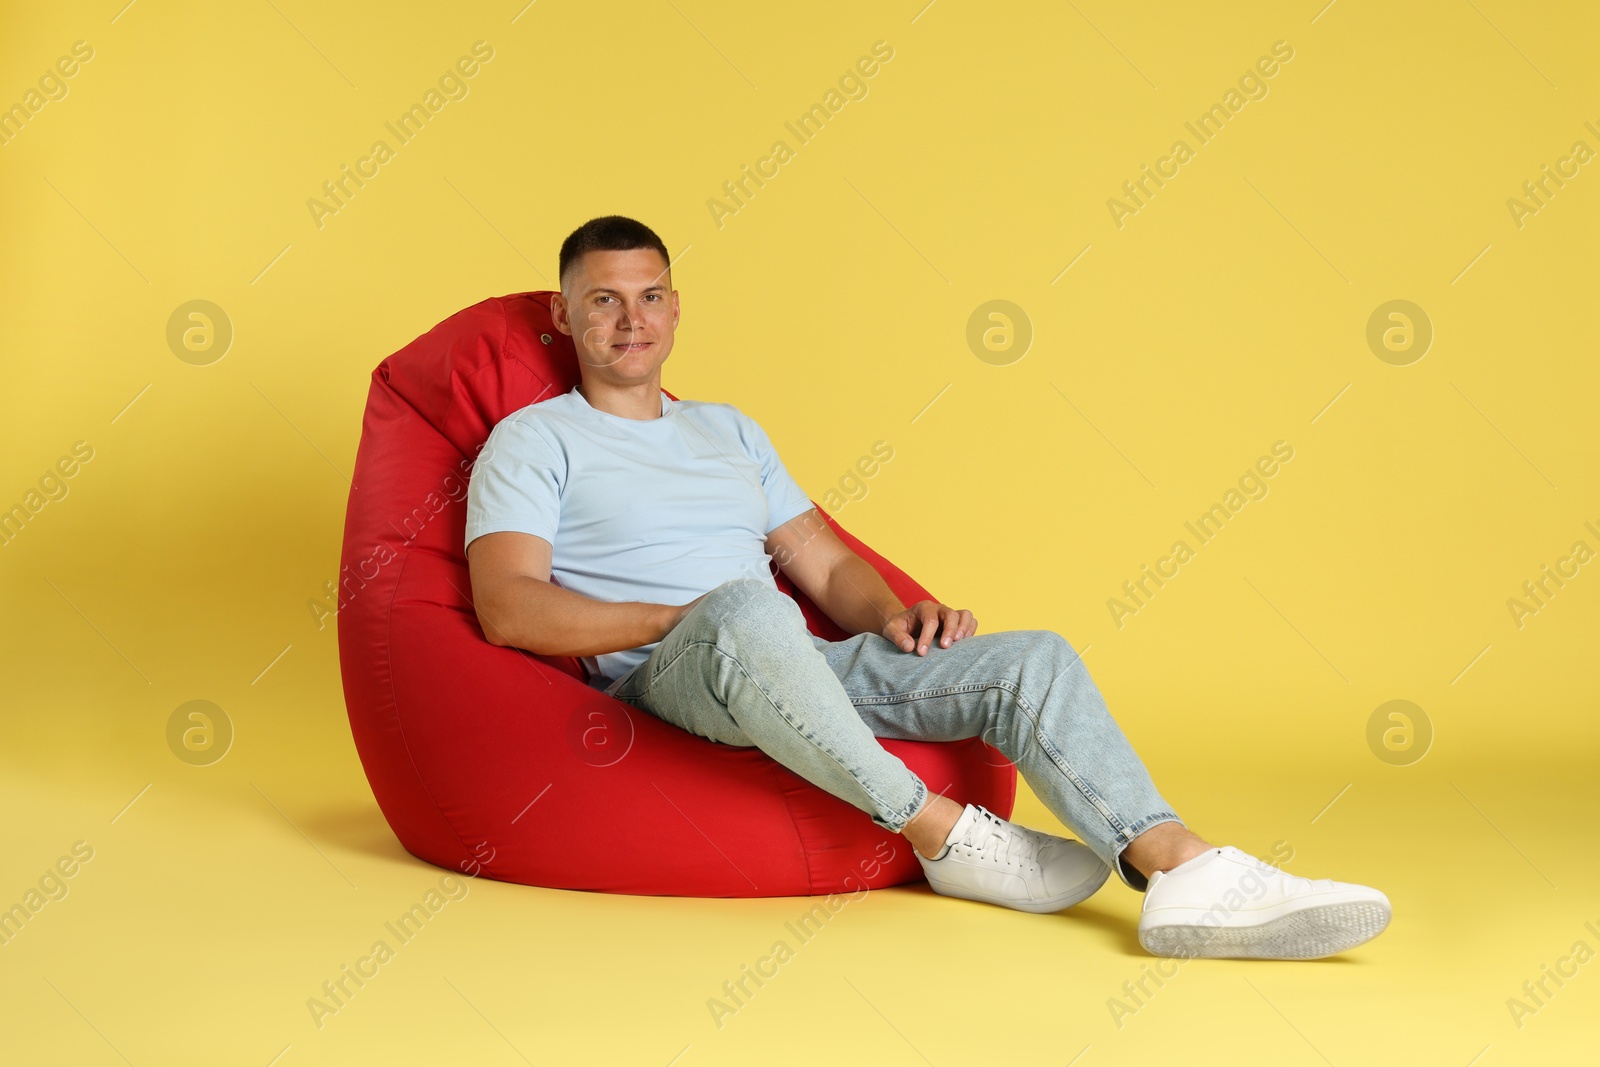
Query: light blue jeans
(741, 668)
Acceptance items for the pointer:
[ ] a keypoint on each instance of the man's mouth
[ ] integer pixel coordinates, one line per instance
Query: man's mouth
(637, 346)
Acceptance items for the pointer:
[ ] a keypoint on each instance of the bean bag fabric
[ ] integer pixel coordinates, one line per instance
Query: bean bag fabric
(493, 761)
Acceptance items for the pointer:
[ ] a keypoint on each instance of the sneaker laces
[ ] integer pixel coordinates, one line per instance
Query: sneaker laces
(993, 835)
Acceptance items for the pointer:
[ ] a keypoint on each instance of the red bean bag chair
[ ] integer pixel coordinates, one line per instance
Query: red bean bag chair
(493, 761)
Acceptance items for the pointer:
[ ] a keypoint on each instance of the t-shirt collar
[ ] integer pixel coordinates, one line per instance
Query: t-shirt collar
(667, 408)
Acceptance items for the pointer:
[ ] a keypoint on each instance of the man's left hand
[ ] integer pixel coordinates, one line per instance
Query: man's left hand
(921, 622)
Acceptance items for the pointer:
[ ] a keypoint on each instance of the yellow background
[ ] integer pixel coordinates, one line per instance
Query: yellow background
(833, 307)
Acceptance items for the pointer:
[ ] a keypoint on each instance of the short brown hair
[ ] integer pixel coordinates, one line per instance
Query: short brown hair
(608, 233)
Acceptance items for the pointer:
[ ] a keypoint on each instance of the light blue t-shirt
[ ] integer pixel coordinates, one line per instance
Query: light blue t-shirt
(656, 510)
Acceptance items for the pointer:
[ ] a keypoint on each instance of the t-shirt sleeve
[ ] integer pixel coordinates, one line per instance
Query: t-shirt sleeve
(785, 498)
(516, 483)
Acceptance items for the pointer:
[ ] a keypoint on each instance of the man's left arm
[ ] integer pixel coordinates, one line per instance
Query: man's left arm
(852, 593)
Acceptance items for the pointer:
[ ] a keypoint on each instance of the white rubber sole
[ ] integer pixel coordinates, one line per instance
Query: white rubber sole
(1307, 933)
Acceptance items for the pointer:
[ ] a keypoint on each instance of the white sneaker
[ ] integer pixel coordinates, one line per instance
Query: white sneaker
(1227, 903)
(988, 859)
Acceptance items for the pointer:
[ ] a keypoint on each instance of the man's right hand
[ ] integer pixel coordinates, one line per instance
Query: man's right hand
(680, 612)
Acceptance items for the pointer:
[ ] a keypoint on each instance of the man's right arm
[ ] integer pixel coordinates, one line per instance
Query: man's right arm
(518, 606)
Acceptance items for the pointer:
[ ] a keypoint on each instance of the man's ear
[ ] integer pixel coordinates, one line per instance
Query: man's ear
(559, 315)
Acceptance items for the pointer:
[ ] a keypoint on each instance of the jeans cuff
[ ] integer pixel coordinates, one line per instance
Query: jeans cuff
(919, 797)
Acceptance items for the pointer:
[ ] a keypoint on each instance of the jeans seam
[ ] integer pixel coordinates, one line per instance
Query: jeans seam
(919, 694)
(1060, 760)
(1045, 744)
(663, 668)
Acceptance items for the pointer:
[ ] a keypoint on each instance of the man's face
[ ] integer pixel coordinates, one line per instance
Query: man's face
(620, 311)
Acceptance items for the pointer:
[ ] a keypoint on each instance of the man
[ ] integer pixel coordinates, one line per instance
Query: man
(658, 518)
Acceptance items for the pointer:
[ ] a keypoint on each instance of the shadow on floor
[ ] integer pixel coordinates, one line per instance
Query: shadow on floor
(356, 828)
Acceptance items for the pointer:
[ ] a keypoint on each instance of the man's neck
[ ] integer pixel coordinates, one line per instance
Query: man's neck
(638, 402)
